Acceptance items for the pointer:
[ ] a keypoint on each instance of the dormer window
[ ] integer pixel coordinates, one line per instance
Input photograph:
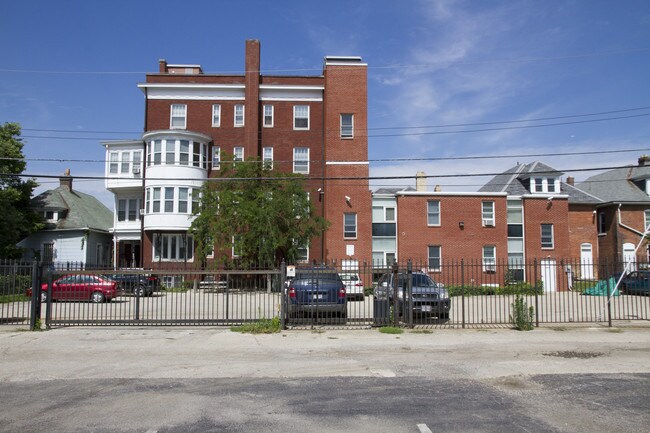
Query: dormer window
(50, 216)
(544, 184)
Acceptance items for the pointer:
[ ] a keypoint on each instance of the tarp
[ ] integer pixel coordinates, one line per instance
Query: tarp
(603, 288)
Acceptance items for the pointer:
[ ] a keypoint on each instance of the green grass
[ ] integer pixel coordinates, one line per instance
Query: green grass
(262, 326)
(176, 289)
(421, 331)
(390, 330)
(5, 299)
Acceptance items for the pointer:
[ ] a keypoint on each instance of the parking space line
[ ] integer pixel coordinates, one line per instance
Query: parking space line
(424, 429)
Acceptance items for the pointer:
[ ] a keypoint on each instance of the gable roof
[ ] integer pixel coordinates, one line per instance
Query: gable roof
(512, 180)
(618, 185)
(81, 211)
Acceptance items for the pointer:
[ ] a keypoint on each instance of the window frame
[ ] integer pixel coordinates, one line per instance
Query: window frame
(349, 233)
(433, 257)
(488, 217)
(301, 161)
(295, 117)
(350, 135)
(216, 114)
(545, 244)
(270, 116)
(243, 115)
(267, 163)
(171, 246)
(216, 156)
(177, 116)
(489, 263)
(235, 151)
(431, 214)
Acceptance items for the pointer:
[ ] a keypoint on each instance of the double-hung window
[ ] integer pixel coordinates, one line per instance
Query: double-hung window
(349, 226)
(113, 162)
(169, 199)
(216, 157)
(301, 160)
(435, 259)
(178, 118)
(487, 213)
(433, 212)
(157, 152)
(547, 236)
(646, 220)
(268, 116)
(301, 117)
(267, 158)
(239, 115)
(238, 153)
(170, 152)
(184, 155)
(155, 204)
(216, 115)
(347, 126)
(126, 163)
(489, 258)
(182, 200)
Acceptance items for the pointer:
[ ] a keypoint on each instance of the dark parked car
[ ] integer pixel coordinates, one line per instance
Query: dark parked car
(95, 288)
(430, 298)
(317, 292)
(138, 284)
(636, 283)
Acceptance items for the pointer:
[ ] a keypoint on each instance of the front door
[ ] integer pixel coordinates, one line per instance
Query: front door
(549, 272)
(586, 262)
(629, 258)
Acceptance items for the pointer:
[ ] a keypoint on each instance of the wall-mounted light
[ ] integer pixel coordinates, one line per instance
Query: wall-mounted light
(347, 200)
(461, 224)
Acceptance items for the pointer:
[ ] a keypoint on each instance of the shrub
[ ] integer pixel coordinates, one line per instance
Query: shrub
(390, 330)
(522, 315)
(520, 288)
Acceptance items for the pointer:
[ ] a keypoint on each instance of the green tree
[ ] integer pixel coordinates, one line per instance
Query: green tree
(18, 219)
(265, 216)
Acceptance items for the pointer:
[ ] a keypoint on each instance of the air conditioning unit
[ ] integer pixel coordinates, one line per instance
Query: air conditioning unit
(136, 170)
(142, 212)
(488, 223)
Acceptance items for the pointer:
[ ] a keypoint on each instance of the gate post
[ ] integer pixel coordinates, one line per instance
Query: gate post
(36, 296)
(283, 294)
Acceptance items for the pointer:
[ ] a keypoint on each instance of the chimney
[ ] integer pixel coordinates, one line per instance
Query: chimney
(420, 181)
(437, 188)
(66, 180)
(570, 180)
(162, 66)
(252, 96)
(644, 160)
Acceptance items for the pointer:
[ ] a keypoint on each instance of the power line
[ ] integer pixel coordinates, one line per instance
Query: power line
(465, 131)
(314, 178)
(319, 69)
(314, 161)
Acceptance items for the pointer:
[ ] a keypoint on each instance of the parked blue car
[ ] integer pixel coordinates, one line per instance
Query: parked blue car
(636, 283)
(316, 293)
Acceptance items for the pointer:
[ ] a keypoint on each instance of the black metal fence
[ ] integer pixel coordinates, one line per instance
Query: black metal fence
(454, 294)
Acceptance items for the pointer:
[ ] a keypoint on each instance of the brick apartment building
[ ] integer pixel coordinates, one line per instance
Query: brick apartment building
(313, 125)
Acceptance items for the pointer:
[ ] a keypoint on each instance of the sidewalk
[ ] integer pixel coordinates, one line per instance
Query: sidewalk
(75, 353)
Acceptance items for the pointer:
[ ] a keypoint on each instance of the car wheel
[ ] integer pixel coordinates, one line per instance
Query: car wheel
(139, 291)
(43, 297)
(97, 297)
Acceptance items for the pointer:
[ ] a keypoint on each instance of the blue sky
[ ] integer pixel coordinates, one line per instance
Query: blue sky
(74, 66)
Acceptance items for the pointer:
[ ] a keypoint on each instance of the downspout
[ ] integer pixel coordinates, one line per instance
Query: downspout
(323, 196)
(144, 175)
(620, 223)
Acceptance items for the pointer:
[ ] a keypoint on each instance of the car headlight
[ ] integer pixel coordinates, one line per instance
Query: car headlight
(443, 294)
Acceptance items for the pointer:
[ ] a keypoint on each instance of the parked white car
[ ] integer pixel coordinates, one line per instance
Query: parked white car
(353, 285)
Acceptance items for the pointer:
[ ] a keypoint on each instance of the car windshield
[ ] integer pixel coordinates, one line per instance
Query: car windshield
(419, 280)
(350, 277)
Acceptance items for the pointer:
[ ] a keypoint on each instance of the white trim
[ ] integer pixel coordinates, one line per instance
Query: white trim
(301, 128)
(462, 194)
(289, 87)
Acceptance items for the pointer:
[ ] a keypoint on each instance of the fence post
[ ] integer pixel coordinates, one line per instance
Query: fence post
(462, 290)
(409, 290)
(609, 300)
(48, 304)
(283, 294)
(395, 318)
(36, 297)
(536, 293)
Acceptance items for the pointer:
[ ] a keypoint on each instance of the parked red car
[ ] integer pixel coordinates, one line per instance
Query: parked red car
(81, 287)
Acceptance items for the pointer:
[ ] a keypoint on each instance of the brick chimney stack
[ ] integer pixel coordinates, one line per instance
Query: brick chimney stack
(420, 181)
(66, 180)
(570, 180)
(644, 160)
